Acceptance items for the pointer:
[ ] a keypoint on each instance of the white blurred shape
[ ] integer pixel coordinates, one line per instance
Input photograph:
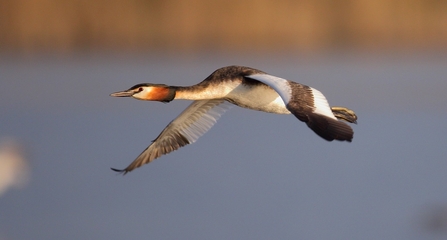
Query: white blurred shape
(14, 168)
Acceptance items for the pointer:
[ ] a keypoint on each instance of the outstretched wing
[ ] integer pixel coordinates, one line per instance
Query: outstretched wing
(191, 124)
(308, 105)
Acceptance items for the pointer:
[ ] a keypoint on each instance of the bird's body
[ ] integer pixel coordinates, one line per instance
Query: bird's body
(245, 87)
(241, 92)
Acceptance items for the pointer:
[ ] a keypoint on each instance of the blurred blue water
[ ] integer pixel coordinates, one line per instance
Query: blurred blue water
(253, 176)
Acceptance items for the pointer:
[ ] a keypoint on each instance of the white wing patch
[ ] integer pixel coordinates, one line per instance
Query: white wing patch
(280, 85)
(321, 104)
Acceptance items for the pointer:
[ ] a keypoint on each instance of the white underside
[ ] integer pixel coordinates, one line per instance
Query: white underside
(261, 98)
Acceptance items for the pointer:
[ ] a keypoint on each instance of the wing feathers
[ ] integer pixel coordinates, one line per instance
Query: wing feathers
(310, 106)
(330, 129)
(191, 124)
(321, 106)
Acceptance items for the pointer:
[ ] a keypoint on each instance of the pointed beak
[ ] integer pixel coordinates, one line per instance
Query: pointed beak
(126, 93)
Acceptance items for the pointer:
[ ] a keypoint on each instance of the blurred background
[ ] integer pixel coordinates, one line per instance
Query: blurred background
(197, 25)
(253, 175)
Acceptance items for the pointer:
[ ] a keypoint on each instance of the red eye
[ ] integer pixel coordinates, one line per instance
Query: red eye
(140, 89)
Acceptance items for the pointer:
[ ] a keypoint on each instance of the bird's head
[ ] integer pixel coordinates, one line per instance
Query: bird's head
(148, 92)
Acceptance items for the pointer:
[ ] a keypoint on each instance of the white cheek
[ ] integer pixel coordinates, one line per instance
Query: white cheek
(137, 95)
(143, 95)
(146, 91)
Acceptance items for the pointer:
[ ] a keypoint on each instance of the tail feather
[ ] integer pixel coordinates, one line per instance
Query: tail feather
(330, 129)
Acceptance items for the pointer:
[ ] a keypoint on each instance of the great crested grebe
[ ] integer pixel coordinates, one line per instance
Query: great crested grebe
(242, 86)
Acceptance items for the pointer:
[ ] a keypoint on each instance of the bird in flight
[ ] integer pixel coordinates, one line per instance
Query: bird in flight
(242, 86)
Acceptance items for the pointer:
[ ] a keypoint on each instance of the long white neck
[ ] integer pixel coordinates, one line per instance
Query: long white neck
(198, 92)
